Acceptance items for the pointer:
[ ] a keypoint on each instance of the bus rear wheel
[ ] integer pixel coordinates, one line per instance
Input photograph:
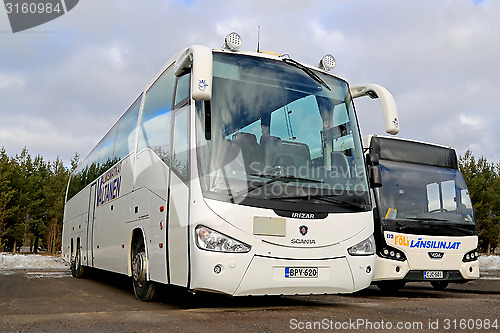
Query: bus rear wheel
(391, 286)
(77, 269)
(144, 290)
(439, 285)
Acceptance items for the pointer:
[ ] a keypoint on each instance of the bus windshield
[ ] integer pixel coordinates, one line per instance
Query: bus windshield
(274, 133)
(416, 196)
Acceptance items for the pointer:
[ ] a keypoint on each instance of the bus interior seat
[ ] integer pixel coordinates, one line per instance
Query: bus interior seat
(339, 161)
(285, 153)
(250, 151)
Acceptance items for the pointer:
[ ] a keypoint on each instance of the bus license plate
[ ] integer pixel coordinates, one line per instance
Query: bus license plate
(433, 274)
(301, 272)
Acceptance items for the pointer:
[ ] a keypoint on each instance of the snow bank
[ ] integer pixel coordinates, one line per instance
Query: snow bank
(9, 261)
(31, 261)
(489, 263)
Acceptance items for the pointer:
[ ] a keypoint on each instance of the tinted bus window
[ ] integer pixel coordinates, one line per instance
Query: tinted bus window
(125, 138)
(154, 130)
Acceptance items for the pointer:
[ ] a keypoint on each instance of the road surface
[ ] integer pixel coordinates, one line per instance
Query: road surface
(53, 301)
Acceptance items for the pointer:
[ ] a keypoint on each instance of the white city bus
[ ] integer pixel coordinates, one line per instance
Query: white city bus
(424, 222)
(233, 172)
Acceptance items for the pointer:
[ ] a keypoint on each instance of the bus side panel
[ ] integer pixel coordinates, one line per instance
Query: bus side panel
(152, 179)
(75, 220)
(157, 243)
(111, 238)
(178, 232)
(90, 226)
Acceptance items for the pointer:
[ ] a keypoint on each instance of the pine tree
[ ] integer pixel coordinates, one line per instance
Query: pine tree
(6, 194)
(482, 179)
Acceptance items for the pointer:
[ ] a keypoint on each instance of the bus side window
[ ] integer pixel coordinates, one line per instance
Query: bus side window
(181, 143)
(125, 138)
(182, 90)
(107, 145)
(154, 130)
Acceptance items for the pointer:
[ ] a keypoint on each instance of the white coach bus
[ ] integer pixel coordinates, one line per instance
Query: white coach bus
(233, 172)
(424, 222)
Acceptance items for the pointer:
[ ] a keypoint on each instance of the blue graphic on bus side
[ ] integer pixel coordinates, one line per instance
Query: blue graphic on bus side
(108, 185)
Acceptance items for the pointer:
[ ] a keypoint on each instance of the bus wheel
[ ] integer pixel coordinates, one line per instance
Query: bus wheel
(439, 285)
(390, 286)
(144, 290)
(77, 269)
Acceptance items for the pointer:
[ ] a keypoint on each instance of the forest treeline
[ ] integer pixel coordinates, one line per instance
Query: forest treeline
(32, 193)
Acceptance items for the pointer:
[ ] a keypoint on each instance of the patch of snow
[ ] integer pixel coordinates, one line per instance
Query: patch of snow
(12, 261)
(489, 263)
(54, 275)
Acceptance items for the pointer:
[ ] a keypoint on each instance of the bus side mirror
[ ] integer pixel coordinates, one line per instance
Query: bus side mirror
(372, 159)
(375, 176)
(387, 102)
(200, 60)
(374, 171)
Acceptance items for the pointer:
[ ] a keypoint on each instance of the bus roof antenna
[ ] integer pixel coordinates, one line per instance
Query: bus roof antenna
(258, 39)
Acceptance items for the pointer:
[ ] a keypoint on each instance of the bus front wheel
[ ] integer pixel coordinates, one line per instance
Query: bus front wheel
(144, 290)
(439, 285)
(391, 286)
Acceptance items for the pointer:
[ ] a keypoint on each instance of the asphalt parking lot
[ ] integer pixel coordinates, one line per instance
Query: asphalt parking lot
(53, 301)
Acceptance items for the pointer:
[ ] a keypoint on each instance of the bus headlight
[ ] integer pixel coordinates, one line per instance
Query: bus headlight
(470, 256)
(211, 240)
(364, 248)
(389, 252)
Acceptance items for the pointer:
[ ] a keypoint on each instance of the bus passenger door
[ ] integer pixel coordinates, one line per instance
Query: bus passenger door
(90, 227)
(178, 214)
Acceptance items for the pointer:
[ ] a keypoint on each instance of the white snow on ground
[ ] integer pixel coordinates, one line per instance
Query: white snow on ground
(10, 261)
(489, 263)
(489, 267)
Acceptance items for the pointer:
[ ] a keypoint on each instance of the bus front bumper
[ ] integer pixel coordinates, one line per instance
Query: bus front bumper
(271, 276)
(387, 269)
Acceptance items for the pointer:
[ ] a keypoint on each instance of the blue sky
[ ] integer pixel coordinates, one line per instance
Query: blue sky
(64, 84)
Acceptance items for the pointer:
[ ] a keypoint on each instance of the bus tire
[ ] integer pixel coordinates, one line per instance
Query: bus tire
(391, 286)
(77, 269)
(144, 290)
(439, 285)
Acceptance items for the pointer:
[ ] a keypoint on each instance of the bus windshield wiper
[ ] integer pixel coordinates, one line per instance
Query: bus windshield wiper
(330, 199)
(460, 227)
(272, 179)
(412, 223)
(427, 219)
(308, 71)
(419, 220)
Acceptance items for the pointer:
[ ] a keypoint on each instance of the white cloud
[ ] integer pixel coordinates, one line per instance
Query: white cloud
(11, 81)
(438, 58)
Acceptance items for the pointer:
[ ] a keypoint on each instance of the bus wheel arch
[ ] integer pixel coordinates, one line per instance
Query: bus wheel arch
(144, 289)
